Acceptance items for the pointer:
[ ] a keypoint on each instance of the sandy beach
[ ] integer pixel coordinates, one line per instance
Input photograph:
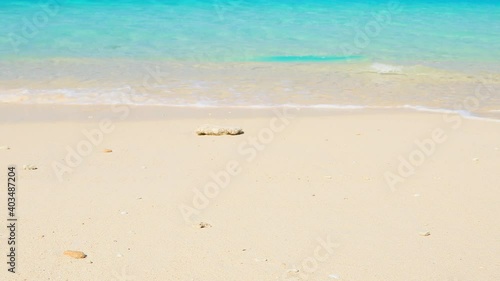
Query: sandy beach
(301, 195)
(232, 140)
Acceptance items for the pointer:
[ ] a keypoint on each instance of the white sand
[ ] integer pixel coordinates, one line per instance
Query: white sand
(315, 177)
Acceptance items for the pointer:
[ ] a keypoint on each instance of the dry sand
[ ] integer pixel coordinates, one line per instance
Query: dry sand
(307, 196)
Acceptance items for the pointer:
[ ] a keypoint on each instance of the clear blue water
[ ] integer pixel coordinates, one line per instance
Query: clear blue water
(382, 53)
(416, 31)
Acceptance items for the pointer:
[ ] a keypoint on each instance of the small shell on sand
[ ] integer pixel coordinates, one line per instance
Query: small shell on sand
(30, 167)
(75, 254)
(3, 147)
(426, 233)
(107, 150)
(209, 130)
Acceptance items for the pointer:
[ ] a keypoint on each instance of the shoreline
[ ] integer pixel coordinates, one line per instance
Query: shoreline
(369, 85)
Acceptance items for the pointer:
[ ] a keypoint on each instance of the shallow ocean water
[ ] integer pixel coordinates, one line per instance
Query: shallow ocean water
(217, 51)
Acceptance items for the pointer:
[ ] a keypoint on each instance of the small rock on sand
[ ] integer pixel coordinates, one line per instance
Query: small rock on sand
(107, 150)
(75, 254)
(204, 225)
(209, 130)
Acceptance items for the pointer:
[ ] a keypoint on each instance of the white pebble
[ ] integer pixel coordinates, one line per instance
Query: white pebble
(29, 167)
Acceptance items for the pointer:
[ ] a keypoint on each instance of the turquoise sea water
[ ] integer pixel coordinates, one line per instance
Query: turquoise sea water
(241, 30)
(240, 52)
